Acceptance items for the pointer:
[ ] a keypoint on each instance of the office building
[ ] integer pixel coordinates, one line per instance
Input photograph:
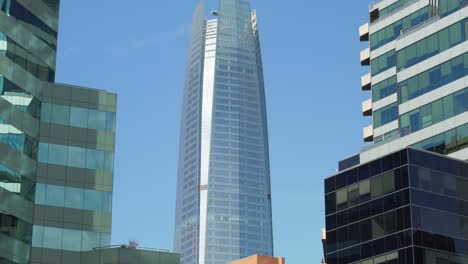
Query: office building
(259, 259)
(223, 209)
(406, 207)
(418, 57)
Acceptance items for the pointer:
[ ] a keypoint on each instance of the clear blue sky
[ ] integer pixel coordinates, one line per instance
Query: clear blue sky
(138, 50)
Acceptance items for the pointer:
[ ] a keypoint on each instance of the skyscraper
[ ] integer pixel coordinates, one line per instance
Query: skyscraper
(223, 210)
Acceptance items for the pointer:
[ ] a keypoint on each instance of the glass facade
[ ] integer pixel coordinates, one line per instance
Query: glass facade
(230, 179)
(427, 67)
(56, 146)
(390, 210)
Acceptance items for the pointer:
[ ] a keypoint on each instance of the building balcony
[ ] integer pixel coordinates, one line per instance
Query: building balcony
(369, 134)
(366, 82)
(365, 57)
(367, 107)
(364, 32)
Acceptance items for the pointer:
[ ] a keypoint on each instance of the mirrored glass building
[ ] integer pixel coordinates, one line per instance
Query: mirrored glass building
(56, 146)
(223, 210)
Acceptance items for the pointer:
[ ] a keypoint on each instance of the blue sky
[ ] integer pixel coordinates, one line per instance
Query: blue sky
(138, 50)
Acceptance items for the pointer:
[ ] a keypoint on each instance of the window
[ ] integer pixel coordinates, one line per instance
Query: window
(79, 117)
(384, 89)
(341, 199)
(55, 195)
(432, 45)
(431, 113)
(74, 198)
(383, 63)
(385, 115)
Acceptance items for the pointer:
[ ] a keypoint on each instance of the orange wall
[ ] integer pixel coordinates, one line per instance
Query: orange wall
(259, 259)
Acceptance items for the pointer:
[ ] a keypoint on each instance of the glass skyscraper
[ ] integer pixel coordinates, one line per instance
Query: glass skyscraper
(223, 210)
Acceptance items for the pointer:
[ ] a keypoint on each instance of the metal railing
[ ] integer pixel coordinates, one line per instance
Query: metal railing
(396, 10)
(409, 31)
(131, 247)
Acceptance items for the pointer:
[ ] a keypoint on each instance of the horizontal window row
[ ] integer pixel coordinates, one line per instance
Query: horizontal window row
(384, 88)
(434, 78)
(437, 162)
(76, 198)
(430, 221)
(440, 242)
(78, 117)
(369, 229)
(13, 8)
(447, 142)
(366, 190)
(440, 202)
(391, 258)
(375, 248)
(432, 45)
(447, 7)
(385, 115)
(393, 7)
(439, 182)
(18, 97)
(368, 209)
(76, 157)
(387, 136)
(367, 170)
(68, 239)
(434, 112)
(371, 189)
(29, 62)
(18, 141)
(15, 228)
(422, 255)
(383, 63)
(391, 32)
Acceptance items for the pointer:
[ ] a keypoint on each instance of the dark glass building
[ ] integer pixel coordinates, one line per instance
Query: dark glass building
(407, 207)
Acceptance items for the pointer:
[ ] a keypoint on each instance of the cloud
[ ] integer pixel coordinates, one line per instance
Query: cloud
(153, 40)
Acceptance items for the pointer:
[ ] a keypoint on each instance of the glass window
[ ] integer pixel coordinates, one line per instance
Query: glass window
(40, 194)
(43, 155)
(378, 228)
(341, 199)
(95, 159)
(353, 194)
(79, 117)
(74, 198)
(92, 200)
(109, 161)
(376, 187)
(52, 237)
(38, 236)
(45, 112)
(55, 195)
(90, 240)
(57, 154)
(388, 180)
(97, 120)
(76, 157)
(364, 190)
(71, 240)
(106, 201)
(60, 114)
(110, 121)
(385, 115)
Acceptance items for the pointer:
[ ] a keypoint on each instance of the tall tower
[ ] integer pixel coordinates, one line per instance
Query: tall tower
(223, 210)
